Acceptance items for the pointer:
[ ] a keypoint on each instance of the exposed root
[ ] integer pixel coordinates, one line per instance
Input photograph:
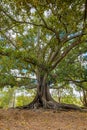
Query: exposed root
(50, 105)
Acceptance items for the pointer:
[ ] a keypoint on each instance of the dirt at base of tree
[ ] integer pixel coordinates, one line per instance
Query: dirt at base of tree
(14, 119)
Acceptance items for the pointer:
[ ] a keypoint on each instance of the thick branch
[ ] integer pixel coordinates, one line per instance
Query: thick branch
(68, 37)
(63, 41)
(58, 87)
(77, 83)
(68, 49)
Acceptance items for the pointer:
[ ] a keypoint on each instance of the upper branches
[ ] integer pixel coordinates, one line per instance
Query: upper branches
(14, 20)
(65, 52)
(58, 27)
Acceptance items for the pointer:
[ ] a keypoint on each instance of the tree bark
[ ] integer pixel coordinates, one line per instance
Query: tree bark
(84, 98)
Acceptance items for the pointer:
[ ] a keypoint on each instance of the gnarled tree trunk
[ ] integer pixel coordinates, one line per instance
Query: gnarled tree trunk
(43, 98)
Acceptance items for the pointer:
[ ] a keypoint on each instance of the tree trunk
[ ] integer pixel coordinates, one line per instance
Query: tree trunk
(84, 98)
(43, 98)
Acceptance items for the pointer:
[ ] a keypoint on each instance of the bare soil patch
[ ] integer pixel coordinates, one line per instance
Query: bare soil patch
(14, 119)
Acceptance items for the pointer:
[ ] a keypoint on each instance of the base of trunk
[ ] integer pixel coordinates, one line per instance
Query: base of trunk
(39, 102)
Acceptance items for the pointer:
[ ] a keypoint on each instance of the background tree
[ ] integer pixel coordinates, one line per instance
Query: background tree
(73, 72)
(37, 37)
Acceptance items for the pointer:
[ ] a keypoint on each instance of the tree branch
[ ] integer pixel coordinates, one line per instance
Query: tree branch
(85, 11)
(31, 23)
(45, 24)
(68, 37)
(68, 49)
(11, 42)
(20, 22)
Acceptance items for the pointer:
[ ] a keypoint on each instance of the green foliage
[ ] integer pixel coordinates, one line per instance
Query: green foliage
(26, 97)
(71, 100)
(5, 97)
(67, 96)
(23, 100)
(8, 97)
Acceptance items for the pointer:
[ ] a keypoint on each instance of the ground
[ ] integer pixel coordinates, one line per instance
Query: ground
(15, 119)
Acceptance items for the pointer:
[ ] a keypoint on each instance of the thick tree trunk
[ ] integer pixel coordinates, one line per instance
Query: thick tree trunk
(43, 98)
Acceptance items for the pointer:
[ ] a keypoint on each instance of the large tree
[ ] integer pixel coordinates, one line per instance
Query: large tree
(35, 37)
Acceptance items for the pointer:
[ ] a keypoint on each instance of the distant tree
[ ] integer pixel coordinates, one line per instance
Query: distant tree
(74, 72)
(6, 98)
